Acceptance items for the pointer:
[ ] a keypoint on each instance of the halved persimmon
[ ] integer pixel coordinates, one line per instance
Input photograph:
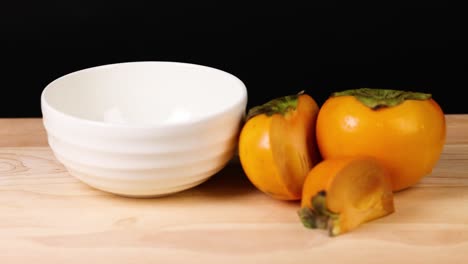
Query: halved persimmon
(277, 145)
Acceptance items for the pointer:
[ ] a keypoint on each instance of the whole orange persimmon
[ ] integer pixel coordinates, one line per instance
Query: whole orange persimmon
(277, 145)
(405, 130)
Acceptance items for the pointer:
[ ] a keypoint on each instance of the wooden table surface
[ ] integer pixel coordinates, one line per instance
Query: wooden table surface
(47, 216)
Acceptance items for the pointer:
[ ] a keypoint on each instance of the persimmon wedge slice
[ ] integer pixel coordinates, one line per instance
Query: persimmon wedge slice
(341, 194)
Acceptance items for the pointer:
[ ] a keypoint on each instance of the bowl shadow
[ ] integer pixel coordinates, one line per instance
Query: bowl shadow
(228, 182)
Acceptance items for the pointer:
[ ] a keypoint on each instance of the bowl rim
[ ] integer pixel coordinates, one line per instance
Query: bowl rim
(45, 106)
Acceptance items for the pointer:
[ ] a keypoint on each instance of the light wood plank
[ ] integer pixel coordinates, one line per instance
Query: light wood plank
(48, 215)
(457, 129)
(17, 132)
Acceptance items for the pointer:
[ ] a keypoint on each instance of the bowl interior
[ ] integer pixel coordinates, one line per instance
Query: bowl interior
(145, 93)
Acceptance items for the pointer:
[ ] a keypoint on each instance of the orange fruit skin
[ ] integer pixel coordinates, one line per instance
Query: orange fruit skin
(407, 138)
(277, 151)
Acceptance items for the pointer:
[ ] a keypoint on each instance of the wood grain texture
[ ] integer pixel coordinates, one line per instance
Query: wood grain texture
(47, 216)
(15, 132)
(457, 129)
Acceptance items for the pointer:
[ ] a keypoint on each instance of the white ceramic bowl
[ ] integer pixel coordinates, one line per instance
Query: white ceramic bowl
(144, 129)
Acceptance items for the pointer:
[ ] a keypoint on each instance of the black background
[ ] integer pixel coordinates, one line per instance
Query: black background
(274, 50)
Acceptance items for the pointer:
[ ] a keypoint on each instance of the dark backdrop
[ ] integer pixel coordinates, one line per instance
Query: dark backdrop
(275, 50)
